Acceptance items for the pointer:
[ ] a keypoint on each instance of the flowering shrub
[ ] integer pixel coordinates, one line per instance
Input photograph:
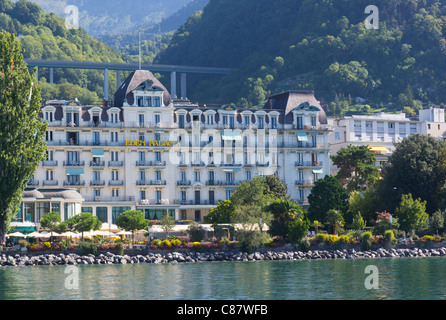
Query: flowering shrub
(196, 245)
(166, 244)
(377, 239)
(47, 245)
(56, 247)
(331, 239)
(176, 243)
(344, 239)
(36, 247)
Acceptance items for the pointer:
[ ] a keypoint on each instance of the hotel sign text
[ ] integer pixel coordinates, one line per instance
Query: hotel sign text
(150, 143)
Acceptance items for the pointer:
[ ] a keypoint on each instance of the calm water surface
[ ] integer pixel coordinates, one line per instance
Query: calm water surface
(399, 278)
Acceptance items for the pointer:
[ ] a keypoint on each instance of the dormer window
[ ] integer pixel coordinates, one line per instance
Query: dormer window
(260, 122)
(210, 119)
(156, 101)
(49, 116)
(148, 101)
(114, 117)
(274, 122)
(139, 101)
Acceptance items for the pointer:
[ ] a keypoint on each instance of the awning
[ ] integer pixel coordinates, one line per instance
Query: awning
(98, 152)
(75, 171)
(159, 131)
(318, 171)
(379, 149)
(302, 136)
(97, 169)
(231, 135)
(231, 169)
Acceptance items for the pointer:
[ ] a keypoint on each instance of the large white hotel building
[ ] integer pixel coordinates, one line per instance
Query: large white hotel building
(162, 155)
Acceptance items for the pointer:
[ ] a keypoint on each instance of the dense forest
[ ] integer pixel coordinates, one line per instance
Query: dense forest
(44, 36)
(321, 45)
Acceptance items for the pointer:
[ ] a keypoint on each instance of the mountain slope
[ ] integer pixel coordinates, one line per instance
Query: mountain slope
(44, 36)
(400, 64)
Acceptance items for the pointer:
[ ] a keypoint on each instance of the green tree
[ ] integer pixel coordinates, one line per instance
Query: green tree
(167, 223)
(285, 212)
(50, 221)
(411, 213)
(356, 167)
(222, 213)
(417, 166)
(358, 222)
(196, 232)
(132, 220)
(334, 219)
(22, 131)
(366, 203)
(275, 187)
(316, 225)
(84, 222)
(326, 194)
(436, 221)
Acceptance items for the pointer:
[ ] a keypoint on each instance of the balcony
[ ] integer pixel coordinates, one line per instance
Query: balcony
(151, 182)
(152, 202)
(199, 164)
(51, 183)
(304, 183)
(73, 163)
(115, 163)
(184, 183)
(258, 164)
(74, 183)
(97, 163)
(308, 164)
(97, 183)
(150, 163)
(194, 202)
(49, 163)
(116, 182)
(33, 183)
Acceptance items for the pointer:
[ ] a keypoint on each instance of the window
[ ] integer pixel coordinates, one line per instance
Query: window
(69, 209)
(156, 101)
(248, 175)
(231, 122)
(211, 177)
(158, 196)
(49, 175)
(73, 157)
(211, 197)
(49, 136)
(116, 211)
(55, 206)
(337, 136)
(114, 136)
(210, 119)
(28, 211)
(183, 215)
(225, 120)
(102, 214)
(142, 175)
(96, 176)
(115, 175)
(139, 101)
(157, 119)
(391, 125)
(141, 157)
(197, 196)
(229, 177)
(114, 117)
(49, 155)
(299, 122)
(228, 194)
(157, 156)
(141, 120)
(183, 196)
(142, 194)
(274, 123)
(197, 175)
(157, 137)
(115, 193)
(313, 120)
(49, 116)
(148, 101)
(181, 121)
(183, 176)
(260, 124)
(96, 136)
(96, 193)
(300, 195)
(158, 175)
(246, 121)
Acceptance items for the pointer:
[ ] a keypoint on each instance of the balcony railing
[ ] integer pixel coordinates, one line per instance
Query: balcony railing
(308, 164)
(51, 183)
(184, 183)
(49, 163)
(74, 163)
(97, 163)
(33, 183)
(97, 183)
(116, 182)
(115, 163)
(74, 183)
(151, 182)
(150, 163)
(305, 183)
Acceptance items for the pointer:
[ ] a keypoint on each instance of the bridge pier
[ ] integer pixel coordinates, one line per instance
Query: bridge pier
(106, 84)
(173, 84)
(37, 73)
(118, 79)
(51, 75)
(183, 85)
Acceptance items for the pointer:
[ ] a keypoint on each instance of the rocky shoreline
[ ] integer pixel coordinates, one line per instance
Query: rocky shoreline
(192, 256)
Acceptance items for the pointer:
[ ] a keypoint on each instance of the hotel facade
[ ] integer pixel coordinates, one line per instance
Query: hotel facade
(150, 152)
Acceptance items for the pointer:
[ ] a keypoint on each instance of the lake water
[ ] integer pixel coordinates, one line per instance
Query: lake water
(398, 278)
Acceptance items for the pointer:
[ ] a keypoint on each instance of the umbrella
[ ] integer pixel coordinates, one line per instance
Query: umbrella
(99, 233)
(17, 234)
(70, 234)
(112, 227)
(124, 233)
(36, 235)
(48, 234)
(155, 229)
